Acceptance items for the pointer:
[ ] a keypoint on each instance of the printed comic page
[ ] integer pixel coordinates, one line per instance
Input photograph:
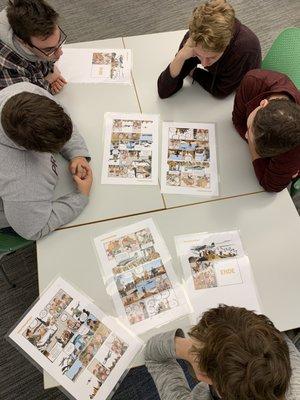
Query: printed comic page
(130, 149)
(72, 340)
(137, 265)
(96, 65)
(216, 270)
(189, 164)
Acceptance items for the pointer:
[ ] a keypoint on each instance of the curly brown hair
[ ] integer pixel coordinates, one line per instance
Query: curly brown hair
(212, 25)
(243, 354)
(276, 127)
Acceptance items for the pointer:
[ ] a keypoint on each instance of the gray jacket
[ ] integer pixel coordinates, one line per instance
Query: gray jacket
(160, 360)
(7, 37)
(28, 180)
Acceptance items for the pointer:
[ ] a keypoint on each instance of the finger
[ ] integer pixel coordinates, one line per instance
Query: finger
(86, 166)
(62, 79)
(55, 87)
(89, 173)
(72, 169)
(79, 170)
(83, 174)
(59, 85)
(76, 179)
(60, 82)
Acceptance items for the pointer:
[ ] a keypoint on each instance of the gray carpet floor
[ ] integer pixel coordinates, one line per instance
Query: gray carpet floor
(85, 20)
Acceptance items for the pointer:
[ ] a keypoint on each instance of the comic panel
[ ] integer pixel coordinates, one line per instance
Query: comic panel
(83, 348)
(107, 65)
(204, 275)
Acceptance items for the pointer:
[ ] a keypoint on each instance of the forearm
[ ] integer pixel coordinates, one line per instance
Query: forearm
(75, 147)
(160, 360)
(64, 210)
(169, 380)
(204, 78)
(166, 85)
(33, 220)
(176, 65)
(270, 179)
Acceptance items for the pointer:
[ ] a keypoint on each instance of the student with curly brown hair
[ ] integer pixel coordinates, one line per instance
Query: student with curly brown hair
(225, 48)
(235, 354)
(266, 113)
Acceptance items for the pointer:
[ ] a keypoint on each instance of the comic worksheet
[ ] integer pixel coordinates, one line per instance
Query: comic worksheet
(216, 270)
(130, 153)
(95, 65)
(140, 277)
(70, 338)
(189, 162)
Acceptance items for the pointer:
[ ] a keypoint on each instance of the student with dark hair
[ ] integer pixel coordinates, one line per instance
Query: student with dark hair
(225, 48)
(235, 354)
(266, 113)
(33, 129)
(30, 43)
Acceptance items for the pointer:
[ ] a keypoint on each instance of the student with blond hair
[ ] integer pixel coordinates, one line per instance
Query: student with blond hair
(225, 48)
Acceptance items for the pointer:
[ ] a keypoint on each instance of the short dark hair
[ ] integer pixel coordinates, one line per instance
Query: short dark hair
(36, 122)
(243, 354)
(276, 127)
(29, 18)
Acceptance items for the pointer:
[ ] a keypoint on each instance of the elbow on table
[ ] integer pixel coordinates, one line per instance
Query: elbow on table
(221, 93)
(163, 93)
(269, 187)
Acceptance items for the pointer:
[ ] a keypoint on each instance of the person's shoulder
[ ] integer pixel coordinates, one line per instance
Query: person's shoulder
(201, 392)
(245, 40)
(260, 77)
(20, 87)
(270, 78)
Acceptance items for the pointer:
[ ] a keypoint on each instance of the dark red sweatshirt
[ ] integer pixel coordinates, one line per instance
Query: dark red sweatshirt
(241, 55)
(274, 174)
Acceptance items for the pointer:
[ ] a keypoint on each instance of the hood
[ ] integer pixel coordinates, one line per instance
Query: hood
(7, 37)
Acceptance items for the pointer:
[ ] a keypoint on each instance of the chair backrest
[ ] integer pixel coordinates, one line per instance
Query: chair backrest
(12, 242)
(295, 187)
(284, 55)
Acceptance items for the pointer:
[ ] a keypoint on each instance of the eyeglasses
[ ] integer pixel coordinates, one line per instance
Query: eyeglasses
(49, 52)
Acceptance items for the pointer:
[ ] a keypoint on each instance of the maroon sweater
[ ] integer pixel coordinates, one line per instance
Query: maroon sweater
(241, 55)
(274, 174)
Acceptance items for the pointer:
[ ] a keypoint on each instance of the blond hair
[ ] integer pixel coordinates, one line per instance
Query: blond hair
(212, 25)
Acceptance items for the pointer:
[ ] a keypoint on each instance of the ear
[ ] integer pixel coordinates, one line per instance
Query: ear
(264, 103)
(204, 378)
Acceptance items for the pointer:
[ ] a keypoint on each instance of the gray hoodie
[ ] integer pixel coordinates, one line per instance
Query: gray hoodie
(7, 37)
(168, 376)
(28, 180)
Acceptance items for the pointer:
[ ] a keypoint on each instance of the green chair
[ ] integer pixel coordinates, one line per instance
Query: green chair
(295, 187)
(10, 242)
(284, 55)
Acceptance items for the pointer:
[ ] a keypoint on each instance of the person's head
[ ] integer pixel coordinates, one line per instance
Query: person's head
(34, 23)
(211, 29)
(274, 126)
(241, 354)
(36, 122)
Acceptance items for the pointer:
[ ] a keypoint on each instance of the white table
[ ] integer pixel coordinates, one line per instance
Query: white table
(269, 228)
(151, 55)
(87, 104)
